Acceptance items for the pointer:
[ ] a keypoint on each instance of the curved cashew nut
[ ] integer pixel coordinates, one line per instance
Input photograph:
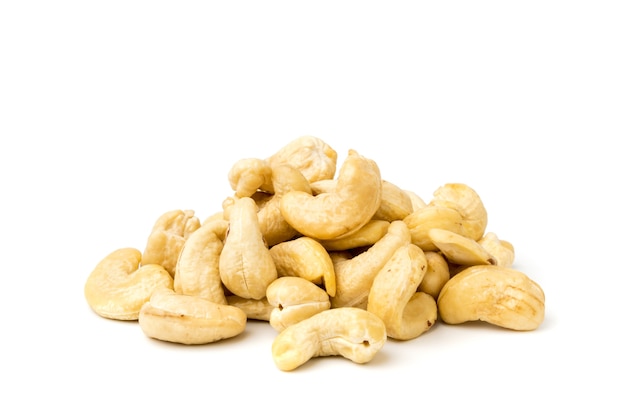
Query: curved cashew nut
(353, 333)
(395, 203)
(501, 296)
(274, 227)
(249, 175)
(310, 155)
(306, 258)
(197, 269)
(354, 276)
(422, 220)
(189, 320)
(468, 203)
(167, 238)
(246, 266)
(458, 249)
(294, 299)
(393, 297)
(118, 286)
(356, 198)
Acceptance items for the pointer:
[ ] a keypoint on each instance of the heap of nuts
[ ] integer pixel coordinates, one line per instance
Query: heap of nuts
(336, 262)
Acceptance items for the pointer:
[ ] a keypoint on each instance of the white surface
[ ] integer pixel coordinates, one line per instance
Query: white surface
(113, 113)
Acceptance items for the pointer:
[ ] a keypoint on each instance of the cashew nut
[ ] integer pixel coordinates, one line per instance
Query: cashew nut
(458, 249)
(310, 155)
(501, 296)
(294, 299)
(354, 275)
(167, 238)
(306, 258)
(250, 175)
(197, 269)
(468, 203)
(354, 201)
(188, 319)
(353, 333)
(430, 217)
(245, 264)
(118, 286)
(393, 297)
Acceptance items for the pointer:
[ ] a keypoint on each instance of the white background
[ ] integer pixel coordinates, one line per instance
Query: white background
(112, 113)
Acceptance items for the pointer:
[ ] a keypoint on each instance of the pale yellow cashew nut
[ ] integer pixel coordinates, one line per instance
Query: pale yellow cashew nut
(249, 175)
(353, 333)
(197, 269)
(118, 286)
(393, 297)
(354, 201)
(458, 249)
(246, 266)
(189, 320)
(167, 238)
(468, 203)
(310, 155)
(306, 258)
(354, 275)
(294, 299)
(501, 296)
(422, 220)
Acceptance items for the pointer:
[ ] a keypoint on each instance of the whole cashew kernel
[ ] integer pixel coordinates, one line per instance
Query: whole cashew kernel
(422, 220)
(118, 286)
(458, 249)
(468, 203)
(306, 258)
(167, 238)
(393, 297)
(353, 333)
(188, 319)
(294, 299)
(501, 296)
(310, 155)
(250, 175)
(197, 269)
(354, 275)
(354, 201)
(245, 264)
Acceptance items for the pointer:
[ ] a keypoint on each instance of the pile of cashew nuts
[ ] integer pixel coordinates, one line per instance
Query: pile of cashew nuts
(336, 261)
